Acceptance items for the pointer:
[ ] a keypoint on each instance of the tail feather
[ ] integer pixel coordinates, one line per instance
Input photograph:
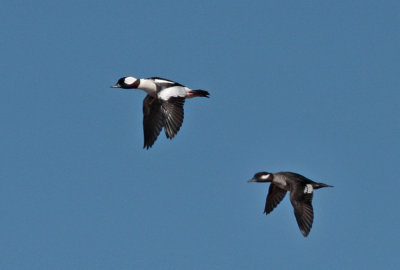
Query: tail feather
(321, 185)
(199, 93)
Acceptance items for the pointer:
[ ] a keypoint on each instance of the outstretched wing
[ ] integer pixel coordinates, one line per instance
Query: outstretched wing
(153, 120)
(172, 110)
(274, 197)
(301, 199)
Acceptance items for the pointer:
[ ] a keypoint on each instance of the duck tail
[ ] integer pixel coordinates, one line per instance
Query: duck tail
(321, 185)
(199, 93)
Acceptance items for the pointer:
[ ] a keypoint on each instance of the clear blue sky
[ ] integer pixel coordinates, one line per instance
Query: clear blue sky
(310, 87)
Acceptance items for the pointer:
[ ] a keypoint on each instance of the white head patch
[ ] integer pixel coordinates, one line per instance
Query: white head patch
(265, 176)
(308, 189)
(129, 80)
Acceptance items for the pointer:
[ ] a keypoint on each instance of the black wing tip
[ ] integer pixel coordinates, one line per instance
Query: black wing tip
(267, 211)
(170, 133)
(305, 226)
(305, 233)
(147, 145)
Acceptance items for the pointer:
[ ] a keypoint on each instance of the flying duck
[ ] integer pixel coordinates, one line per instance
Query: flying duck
(163, 105)
(301, 194)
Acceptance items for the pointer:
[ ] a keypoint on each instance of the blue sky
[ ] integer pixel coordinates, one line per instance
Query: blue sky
(308, 87)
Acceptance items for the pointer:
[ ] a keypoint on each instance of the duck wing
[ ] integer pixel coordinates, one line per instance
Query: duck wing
(172, 110)
(301, 198)
(153, 120)
(274, 197)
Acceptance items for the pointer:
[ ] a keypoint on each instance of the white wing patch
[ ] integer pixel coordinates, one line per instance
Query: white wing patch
(163, 81)
(264, 177)
(129, 80)
(308, 189)
(174, 91)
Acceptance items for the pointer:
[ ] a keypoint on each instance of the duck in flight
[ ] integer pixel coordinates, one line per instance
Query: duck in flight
(163, 105)
(301, 193)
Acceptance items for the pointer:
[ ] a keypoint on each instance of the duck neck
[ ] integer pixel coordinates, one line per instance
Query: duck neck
(148, 86)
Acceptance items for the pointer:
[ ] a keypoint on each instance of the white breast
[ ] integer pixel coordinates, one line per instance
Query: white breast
(148, 86)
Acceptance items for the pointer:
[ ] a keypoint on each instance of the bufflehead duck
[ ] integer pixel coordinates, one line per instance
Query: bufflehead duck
(163, 105)
(301, 193)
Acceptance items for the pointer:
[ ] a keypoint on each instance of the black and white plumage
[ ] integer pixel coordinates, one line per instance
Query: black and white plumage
(301, 194)
(163, 105)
